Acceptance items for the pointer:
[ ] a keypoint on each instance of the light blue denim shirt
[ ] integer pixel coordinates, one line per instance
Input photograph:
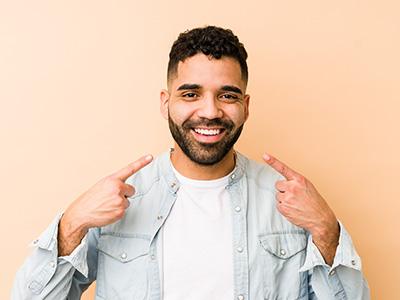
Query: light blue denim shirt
(272, 258)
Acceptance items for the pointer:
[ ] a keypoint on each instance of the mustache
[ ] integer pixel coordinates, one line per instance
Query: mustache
(226, 124)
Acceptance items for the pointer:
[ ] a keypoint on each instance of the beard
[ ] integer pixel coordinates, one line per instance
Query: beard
(205, 154)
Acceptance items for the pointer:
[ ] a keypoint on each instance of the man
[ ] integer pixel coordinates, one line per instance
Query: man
(201, 221)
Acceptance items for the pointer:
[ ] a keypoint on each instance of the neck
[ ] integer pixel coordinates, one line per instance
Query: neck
(192, 170)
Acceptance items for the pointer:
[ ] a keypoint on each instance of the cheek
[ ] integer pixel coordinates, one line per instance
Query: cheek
(236, 114)
(180, 113)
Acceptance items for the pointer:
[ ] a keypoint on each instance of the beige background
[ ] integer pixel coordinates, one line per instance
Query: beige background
(79, 86)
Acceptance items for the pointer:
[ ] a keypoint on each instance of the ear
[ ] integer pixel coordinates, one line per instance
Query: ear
(164, 98)
(246, 103)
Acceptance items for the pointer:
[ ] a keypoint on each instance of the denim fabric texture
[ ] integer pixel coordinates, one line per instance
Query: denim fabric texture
(272, 258)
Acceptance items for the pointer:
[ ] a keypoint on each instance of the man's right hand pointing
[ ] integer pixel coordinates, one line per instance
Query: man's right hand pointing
(103, 204)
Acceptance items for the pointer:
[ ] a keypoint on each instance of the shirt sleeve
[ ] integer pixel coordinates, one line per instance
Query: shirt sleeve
(342, 280)
(44, 275)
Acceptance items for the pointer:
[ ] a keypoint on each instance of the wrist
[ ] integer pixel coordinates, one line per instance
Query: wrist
(327, 235)
(70, 226)
(70, 235)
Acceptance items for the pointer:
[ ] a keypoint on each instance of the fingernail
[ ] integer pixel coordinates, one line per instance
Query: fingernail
(267, 157)
(149, 157)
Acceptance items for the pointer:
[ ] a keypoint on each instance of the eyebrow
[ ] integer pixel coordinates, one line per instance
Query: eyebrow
(194, 86)
(231, 88)
(189, 86)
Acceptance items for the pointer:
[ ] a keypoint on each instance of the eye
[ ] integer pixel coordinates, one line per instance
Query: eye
(229, 97)
(189, 95)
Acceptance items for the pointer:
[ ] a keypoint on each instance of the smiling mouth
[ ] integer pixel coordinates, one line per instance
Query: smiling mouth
(208, 135)
(208, 132)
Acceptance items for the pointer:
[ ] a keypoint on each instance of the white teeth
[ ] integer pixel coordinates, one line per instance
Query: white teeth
(207, 131)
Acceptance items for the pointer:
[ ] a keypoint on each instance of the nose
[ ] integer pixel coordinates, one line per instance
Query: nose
(210, 108)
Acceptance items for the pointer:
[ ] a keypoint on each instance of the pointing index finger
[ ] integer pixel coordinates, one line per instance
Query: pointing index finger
(126, 172)
(280, 167)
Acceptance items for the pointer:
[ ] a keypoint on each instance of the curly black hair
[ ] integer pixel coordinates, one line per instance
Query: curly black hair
(210, 40)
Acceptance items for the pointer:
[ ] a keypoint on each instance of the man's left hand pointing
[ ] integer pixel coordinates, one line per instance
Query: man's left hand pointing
(301, 204)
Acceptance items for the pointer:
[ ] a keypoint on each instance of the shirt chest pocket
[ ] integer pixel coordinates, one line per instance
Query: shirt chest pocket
(282, 255)
(122, 267)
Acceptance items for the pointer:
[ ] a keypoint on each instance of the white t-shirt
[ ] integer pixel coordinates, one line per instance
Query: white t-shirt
(197, 242)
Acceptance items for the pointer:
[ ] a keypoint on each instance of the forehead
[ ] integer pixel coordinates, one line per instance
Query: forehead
(209, 72)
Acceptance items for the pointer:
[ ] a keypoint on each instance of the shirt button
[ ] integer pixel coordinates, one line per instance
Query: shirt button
(173, 185)
(237, 208)
(159, 217)
(283, 252)
(332, 272)
(52, 264)
(123, 255)
(153, 257)
(36, 241)
(233, 176)
(239, 249)
(353, 262)
(240, 297)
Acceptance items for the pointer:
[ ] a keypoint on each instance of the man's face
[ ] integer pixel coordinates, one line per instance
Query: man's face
(206, 107)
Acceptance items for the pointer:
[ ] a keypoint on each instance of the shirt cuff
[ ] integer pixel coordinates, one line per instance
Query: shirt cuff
(345, 255)
(48, 241)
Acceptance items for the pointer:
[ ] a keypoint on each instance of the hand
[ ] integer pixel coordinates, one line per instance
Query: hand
(103, 204)
(301, 204)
